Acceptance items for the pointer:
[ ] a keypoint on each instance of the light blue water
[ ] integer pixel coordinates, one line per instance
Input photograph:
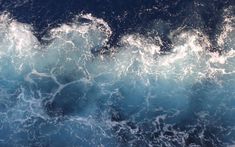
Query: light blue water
(60, 94)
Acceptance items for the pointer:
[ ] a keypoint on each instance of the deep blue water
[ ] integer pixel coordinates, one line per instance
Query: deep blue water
(117, 73)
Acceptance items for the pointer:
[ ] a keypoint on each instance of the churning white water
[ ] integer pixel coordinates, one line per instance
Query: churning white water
(62, 94)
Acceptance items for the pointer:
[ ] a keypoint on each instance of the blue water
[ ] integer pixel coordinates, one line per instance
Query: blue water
(126, 73)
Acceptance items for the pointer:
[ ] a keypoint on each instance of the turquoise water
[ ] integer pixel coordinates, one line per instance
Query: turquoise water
(57, 92)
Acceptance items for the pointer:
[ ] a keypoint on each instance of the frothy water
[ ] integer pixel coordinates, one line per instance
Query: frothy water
(67, 92)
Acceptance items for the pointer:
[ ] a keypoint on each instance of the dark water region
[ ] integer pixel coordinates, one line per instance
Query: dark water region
(123, 16)
(56, 91)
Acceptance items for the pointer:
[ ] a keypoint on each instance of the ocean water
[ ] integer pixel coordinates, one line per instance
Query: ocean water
(103, 73)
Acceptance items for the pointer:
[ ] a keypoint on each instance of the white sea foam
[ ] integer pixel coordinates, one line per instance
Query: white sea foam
(226, 37)
(136, 73)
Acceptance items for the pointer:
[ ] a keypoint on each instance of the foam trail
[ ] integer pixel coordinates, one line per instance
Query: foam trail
(62, 94)
(226, 37)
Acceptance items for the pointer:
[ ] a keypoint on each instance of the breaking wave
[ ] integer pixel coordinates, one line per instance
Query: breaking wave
(65, 91)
